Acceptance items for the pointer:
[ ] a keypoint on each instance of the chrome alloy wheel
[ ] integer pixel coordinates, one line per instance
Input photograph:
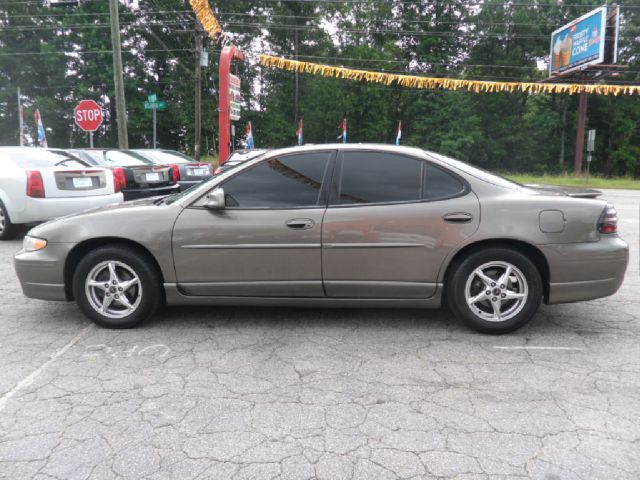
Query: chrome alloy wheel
(113, 289)
(3, 220)
(496, 291)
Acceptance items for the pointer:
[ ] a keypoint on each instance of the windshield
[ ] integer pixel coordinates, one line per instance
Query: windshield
(479, 173)
(160, 157)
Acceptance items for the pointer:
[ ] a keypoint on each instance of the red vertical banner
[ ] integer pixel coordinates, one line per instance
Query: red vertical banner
(224, 108)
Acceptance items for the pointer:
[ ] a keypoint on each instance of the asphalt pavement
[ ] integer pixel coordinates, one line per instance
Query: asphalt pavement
(255, 393)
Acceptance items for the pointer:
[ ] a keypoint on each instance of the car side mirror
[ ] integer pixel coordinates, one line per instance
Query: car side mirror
(215, 200)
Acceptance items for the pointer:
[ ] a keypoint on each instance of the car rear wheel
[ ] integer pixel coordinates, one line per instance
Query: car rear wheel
(116, 287)
(8, 230)
(495, 290)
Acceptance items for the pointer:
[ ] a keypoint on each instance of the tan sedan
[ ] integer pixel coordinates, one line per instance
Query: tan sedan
(335, 226)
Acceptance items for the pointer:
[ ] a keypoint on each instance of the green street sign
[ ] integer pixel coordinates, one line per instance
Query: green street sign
(160, 105)
(152, 98)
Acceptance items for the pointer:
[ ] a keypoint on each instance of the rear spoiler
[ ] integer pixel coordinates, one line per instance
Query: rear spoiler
(576, 192)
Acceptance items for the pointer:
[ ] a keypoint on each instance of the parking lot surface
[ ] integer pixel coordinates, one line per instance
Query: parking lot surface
(254, 393)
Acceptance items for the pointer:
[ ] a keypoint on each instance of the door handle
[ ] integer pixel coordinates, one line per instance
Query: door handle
(458, 217)
(300, 223)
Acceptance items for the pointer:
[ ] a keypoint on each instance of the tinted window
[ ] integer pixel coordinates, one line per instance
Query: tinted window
(291, 181)
(36, 158)
(163, 158)
(439, 183)
(372, 177)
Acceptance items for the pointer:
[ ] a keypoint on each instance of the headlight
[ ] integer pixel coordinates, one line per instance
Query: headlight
(32, 244)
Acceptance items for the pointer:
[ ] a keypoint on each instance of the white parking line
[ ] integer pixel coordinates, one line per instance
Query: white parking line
(531, 347)
(28, 380)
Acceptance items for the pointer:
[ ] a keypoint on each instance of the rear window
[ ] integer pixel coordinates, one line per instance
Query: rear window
(163, 158)
(35, 158)
(475, 171)
(114, 158)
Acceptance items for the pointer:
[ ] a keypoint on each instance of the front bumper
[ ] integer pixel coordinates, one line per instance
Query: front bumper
(585, 271)
(134, 194)
(41, 273)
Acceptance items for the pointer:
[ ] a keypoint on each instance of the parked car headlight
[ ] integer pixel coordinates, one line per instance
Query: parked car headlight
(32, 244)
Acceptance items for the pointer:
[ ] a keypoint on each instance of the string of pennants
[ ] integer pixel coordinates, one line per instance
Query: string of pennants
(210, 24)
(414, 81)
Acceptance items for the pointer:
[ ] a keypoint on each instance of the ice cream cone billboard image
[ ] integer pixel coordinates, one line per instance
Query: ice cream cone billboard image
(579, 43)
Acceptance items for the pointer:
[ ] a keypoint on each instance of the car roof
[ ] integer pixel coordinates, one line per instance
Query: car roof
(380, 147)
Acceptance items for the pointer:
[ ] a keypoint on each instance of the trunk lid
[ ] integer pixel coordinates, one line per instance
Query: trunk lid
(65, 182)
(152, 176)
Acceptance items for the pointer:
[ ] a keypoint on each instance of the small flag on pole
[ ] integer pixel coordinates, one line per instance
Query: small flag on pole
(300, 138)
(344, 131)
(249, 136)
(399, 133)
(42, 136)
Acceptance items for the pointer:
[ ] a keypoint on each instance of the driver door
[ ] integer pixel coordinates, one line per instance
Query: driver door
(266, 241)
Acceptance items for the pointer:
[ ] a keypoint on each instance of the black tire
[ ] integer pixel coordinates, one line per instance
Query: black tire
(492, 259)
(128, 262)
(8, 230)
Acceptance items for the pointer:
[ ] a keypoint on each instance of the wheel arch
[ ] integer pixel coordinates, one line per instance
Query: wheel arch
(81, 249)
(531, 251)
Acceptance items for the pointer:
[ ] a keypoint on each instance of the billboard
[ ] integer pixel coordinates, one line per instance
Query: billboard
(235, 97)
(580, 43)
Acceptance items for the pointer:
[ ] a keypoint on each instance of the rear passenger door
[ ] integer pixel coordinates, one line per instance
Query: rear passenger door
(391, 221)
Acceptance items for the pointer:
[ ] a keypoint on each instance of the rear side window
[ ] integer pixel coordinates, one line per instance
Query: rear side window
(438, 183)
(376, 177)
(292, 181)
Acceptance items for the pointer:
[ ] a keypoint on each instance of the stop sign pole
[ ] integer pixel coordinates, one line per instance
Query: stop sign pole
(88, 117)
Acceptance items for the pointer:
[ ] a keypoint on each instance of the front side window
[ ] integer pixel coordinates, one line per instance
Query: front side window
(376, 177)
(291, 181)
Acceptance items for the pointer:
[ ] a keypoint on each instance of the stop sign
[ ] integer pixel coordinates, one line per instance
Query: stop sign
(88, 115)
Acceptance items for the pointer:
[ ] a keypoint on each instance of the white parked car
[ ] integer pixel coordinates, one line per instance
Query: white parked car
(37, 185)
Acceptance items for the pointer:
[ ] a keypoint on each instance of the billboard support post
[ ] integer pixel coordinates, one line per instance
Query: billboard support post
(228, 54)
(582, 120)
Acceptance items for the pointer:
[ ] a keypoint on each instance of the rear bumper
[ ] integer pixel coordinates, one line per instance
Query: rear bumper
(134, 194)
(585, 271)
(41, 273)
(38, 210)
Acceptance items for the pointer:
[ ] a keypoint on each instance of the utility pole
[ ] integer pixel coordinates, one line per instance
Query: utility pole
(296, 86)
(121, 109)
(198, 96)
(582, 120)
(20, 118)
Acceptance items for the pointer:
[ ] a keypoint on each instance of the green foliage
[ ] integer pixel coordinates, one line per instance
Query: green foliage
(492, 39)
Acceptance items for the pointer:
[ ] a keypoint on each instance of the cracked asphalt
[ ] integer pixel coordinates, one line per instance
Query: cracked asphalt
(251, 393)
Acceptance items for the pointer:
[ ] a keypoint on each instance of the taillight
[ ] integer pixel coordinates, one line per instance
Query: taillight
(608, 221)
(119, 179)
(35, 186)
(176, 173)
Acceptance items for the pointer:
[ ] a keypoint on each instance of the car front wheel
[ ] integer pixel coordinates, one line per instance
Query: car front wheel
(116, 287)
(495, 290)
